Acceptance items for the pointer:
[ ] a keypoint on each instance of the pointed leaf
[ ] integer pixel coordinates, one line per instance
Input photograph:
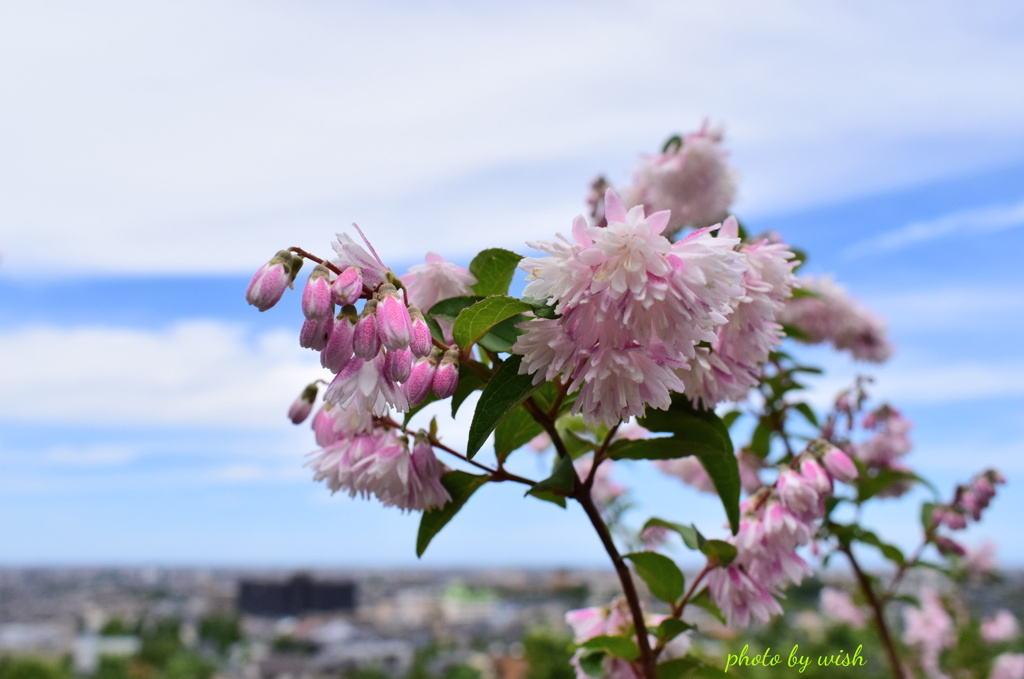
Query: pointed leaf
(561, 482)
(469, 381)
(692, 537)
(505, 390)
(722, 552)
(620, 647)
(661, 574)
(670, 628)
(516, 430)
(460, 485)
(592, 663)
(449, 309)
(494, 269)
(473, 322)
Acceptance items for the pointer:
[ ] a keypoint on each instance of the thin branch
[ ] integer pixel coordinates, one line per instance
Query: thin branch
(313, 258)
(876, 607)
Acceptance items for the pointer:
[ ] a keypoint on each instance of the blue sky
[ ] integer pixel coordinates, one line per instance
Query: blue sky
(155, 156)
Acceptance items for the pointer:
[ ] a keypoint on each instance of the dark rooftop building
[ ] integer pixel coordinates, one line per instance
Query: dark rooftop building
(297, 595)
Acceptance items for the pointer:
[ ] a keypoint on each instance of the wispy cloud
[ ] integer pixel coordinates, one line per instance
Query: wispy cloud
(962, 223)
(293, 119)
(200, 373)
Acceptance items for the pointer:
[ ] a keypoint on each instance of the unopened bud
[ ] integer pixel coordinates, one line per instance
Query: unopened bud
(316, 296)
(421, 378)
(339, 345)
(397, 364)
(365, 340)
(347, 287)
(420, 342)
(315, 333)
(269, 283)
(948, 547)
(303, 405)
(839, 465)
(393, 321)
(446, 377)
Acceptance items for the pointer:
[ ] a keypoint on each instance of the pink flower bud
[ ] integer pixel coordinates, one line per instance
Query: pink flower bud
(365, 340)
(839, 465)
(393, 322)
(348, 287)
(984, 489)
(316, 296)
(397, 364)
(339, 345)
(420, 342)
(948, 517)
(421, 378)
(303, 405)
(314, 333)
(971, 504)
(949, 547)
(446, 377)
(268, 284)
(816, 476)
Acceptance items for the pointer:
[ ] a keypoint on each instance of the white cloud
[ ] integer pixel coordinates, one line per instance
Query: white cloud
(199, 373)
(963, 224)
(197, 136)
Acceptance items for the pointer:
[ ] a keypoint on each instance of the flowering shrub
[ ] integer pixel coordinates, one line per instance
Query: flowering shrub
(636, 340)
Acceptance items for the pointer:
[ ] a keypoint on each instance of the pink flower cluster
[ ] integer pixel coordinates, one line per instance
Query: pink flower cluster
(969, 501)
(692, 179)
(615, 620)
(830, 315)
(1002, 626)
(929, 629)
(888, 444)
(364, 459)
(633, 308)
(838, 606)
(1008, 666)
(728, 368)
(776, 521)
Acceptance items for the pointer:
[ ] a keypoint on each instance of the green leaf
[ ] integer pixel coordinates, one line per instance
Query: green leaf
(460, 485)
(548, 497)
(502, 336)
(493, 269)
(516, 430)
(730, 417)
(793, 332)
(691, 536)
(760, 442)
(891, 552)
(620, 647)
(722, 552)
(469, 381)
(703, 600)
(473, 322)
(661, 574)
(449, 309)
(807, 412)
(706, 446)
(561, 482)
(541, 308)
(505, 390)
(670, 628)
(592, 663)
(927, 509)
(873, 485)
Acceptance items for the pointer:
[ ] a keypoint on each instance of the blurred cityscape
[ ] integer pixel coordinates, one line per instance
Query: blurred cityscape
(150, 623)
(246, 624)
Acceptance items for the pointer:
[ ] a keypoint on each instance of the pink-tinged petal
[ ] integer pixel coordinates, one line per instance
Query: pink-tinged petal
(614, 210)
(659, 220)
(730, 228)
(579, 231)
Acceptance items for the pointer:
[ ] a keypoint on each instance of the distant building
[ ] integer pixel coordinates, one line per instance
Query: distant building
(294, 597)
